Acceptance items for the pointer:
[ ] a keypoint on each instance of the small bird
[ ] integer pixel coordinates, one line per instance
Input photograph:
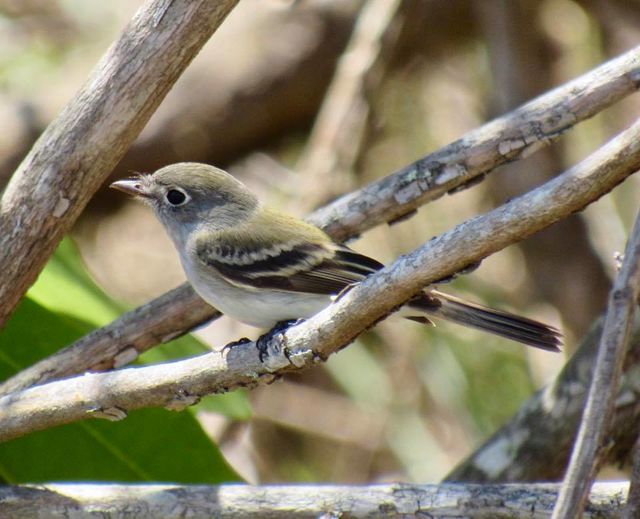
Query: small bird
(263, 267)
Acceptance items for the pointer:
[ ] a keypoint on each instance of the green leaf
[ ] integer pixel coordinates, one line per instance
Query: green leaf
(32, 333)
(150, 445)
(64, 287)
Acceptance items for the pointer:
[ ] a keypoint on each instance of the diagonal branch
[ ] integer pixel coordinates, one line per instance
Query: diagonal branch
(177, 384)
(80, 148)
(505, 139)
(587, 454)
(535, 444)
(513, 136)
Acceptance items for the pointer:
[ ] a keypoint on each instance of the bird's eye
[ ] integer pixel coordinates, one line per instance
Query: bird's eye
(176, 197)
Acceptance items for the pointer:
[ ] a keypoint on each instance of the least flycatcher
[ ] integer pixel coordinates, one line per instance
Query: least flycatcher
(262, 267)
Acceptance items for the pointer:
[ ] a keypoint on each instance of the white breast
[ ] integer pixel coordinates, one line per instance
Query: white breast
(257, 307)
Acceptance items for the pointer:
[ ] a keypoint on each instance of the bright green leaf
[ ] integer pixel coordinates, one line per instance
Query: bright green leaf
(150, 445)
(64, 286)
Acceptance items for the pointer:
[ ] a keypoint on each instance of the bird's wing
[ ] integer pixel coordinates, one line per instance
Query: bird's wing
(297, 266)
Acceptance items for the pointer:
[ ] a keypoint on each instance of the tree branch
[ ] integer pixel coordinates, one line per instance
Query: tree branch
(513, 136)
(120, 342)
(536, 443)
(588, 451)
(529, 501)
(477, 153)
(177, 384)
(520, 52)
(77, 151)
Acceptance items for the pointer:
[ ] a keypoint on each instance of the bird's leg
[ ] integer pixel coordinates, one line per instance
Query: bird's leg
(231, 345)
(278, 330)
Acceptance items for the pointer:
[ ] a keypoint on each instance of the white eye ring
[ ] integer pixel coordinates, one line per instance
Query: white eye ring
(176, 197)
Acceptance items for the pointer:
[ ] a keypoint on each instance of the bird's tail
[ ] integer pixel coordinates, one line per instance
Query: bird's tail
(511, 326)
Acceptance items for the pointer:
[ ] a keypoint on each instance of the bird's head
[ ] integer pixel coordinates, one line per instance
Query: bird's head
(187, 196)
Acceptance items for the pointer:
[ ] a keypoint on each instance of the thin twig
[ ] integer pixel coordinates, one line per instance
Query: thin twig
(83, 144)
(530, 501)
(587, 454)
(480, 151)
(178, 384)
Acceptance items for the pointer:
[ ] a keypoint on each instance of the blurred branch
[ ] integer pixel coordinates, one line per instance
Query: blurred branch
(79, 149)
(588, 452)
(292, 501)
(503, 139)
(178, 384)
(265, 85)
(536, 443)
(337, 138)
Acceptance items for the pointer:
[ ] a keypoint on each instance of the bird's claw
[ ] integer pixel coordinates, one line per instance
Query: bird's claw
(275, 334)
(231, 345)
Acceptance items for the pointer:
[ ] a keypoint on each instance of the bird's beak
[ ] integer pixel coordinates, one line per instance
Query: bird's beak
(131, 186)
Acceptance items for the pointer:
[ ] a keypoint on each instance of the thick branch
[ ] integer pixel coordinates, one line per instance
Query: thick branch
(587, 454)
(479, 151)
(79, 149)
(520, 53)
(298, 501)
(174, 385)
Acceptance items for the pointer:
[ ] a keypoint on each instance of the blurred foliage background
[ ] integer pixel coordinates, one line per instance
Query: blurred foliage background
(405, 402)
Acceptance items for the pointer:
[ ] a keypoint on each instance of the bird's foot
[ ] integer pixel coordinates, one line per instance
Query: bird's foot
(274, 336)
(228, 347)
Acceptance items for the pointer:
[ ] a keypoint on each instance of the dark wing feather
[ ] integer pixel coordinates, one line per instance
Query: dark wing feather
(498, 322)
(308, 267)
(334, 274)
